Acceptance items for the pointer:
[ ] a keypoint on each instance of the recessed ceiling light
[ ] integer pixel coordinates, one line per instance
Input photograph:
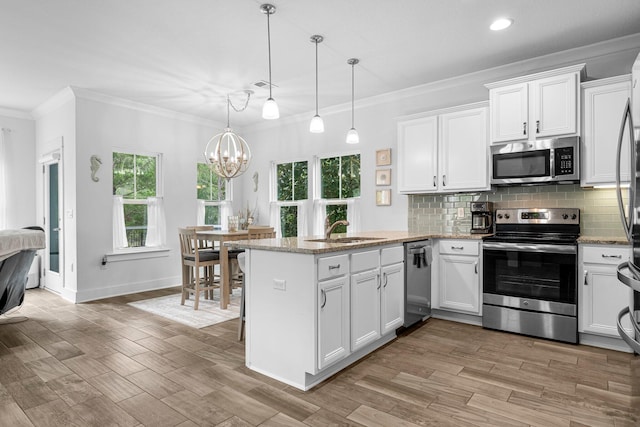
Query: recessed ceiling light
(501, 24)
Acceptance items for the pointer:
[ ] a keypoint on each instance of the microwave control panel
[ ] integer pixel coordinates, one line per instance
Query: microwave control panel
(564, 161)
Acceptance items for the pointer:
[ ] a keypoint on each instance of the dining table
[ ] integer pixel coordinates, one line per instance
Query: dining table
(222, 236)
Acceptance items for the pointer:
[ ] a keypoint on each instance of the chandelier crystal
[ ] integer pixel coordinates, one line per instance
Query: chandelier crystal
(227, 154)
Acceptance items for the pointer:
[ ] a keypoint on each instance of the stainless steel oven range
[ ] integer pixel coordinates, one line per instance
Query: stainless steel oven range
(530, 273)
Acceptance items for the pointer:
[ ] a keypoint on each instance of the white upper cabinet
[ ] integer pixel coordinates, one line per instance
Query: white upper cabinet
(444, 151)
(536, 106)
(603, 104)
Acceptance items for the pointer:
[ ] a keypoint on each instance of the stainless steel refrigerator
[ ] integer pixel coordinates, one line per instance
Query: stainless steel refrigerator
(629, 272)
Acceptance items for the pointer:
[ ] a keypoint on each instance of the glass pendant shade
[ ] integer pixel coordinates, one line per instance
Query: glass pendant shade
(270, 110)
(352, 136)
(227, 154)
(316, 125)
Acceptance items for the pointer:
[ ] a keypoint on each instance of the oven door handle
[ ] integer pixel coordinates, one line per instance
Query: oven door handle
(520, 247)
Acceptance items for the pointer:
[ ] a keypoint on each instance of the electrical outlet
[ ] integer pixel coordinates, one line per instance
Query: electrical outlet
(279, 284)
(460, 212)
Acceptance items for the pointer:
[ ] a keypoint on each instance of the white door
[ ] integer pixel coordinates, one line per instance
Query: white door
(365, 308)
(459, 283)
(554, 105)
(418, 155)
(509, 110)
(333, 321)
(53, 261)
(463, 150)
(603, 296)
(392, 298)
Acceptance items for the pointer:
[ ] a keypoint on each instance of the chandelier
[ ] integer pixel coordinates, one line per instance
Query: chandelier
(228, 154)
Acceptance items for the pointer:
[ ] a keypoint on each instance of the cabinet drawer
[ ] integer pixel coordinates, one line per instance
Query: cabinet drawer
(610, 255)
(459, 247)
(333, 266)
(393, 255)
(362, 261)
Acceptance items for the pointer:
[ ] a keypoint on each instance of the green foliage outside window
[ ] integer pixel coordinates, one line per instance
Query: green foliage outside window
(134, 178)
(292, 185)
(339, 179)
(210, 188)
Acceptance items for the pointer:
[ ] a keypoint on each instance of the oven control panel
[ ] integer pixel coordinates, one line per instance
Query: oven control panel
(569, 216)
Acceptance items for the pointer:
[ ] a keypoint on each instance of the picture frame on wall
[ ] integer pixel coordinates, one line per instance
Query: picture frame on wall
(383, 197)
(383, 177)
(383, 157)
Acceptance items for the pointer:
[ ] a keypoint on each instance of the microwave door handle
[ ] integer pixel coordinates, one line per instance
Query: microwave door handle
(552, 159)
(626, 219)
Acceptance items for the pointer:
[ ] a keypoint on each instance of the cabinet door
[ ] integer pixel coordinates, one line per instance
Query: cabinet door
(509, 107)
(603, 297)
(603, 107)
(418, 155)
(333, 321)
(365, 308)
(463, 150)
(459, 283)
(392, 299)
(554, 104)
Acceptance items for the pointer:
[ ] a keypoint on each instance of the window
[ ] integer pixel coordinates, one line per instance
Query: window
(135, 179)
(339, 180)
(291, 188)
(212, 191)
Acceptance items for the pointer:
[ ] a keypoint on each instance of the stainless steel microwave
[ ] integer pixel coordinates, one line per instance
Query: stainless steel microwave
(543, 161)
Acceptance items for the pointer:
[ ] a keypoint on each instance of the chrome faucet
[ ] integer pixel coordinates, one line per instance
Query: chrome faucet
(328, 227)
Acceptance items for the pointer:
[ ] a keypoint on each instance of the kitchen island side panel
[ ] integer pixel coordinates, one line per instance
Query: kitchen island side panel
(282, 339)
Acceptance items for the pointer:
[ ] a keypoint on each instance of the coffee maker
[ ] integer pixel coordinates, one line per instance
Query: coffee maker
(481, 217)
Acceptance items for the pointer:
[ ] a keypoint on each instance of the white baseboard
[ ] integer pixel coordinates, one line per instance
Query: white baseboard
(125, 289)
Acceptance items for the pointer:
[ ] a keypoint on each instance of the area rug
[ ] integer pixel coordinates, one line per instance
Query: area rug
(207, 314)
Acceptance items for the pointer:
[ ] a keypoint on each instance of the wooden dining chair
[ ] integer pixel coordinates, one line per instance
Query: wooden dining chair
(195, 258)
(254, 232)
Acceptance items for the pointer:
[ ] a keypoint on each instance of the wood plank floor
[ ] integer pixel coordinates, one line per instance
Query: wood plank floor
(107, 364)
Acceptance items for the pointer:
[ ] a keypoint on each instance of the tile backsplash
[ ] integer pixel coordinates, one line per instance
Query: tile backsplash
(438, 213)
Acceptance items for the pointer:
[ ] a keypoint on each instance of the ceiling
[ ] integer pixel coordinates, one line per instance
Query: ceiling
(187, 55)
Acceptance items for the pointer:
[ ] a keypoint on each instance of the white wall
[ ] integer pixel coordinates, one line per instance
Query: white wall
(20, 150)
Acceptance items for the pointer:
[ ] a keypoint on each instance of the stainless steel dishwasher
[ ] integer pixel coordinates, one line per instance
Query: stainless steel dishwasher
(417, 285)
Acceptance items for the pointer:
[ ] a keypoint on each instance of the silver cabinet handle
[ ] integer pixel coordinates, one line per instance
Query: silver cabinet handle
(612, 256)
(324, 298)
(384, 277)
(444, 180)
(334, 267)
(457, 248)
(524, 128)
(378, 279)
(435, 183)
(586, 274)
(475, 265)
(537, 126)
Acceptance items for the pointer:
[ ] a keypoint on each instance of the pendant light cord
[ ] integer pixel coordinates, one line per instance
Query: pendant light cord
(352, 95)
(237, 110)
(269, 50)
(316, 76)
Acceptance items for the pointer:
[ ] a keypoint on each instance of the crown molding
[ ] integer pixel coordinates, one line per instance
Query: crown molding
(56, 101)
(609, 80)
(141, 107)
(15, 114)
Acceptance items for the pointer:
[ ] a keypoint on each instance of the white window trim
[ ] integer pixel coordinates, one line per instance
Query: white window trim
(222, 204)
(135, 253)
(276, 204)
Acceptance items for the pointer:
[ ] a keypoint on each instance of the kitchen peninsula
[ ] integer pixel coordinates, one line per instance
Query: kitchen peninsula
(314, 306)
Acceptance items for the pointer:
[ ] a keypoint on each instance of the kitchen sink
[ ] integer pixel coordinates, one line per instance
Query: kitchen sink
(344, 240)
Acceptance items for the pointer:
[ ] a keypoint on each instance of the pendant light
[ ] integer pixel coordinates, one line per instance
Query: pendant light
(270, 108)
(228, 154)
(316, 125)
(352, 135)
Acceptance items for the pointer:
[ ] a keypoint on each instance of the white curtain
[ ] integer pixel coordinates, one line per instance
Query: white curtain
(319, 213)
(119, 231)
(353, 215)
(200, 213)
(274, 218)
(156, 222)
(3, 184)
(303, 207)
(225, 212)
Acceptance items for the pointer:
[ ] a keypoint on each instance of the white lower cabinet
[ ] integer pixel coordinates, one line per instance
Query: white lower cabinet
(601, 295)
(392, 297)
(458, 278)
(333, 321)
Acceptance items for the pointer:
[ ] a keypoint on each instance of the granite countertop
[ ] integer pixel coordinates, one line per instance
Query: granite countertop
(377, 238)
(604, 240)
